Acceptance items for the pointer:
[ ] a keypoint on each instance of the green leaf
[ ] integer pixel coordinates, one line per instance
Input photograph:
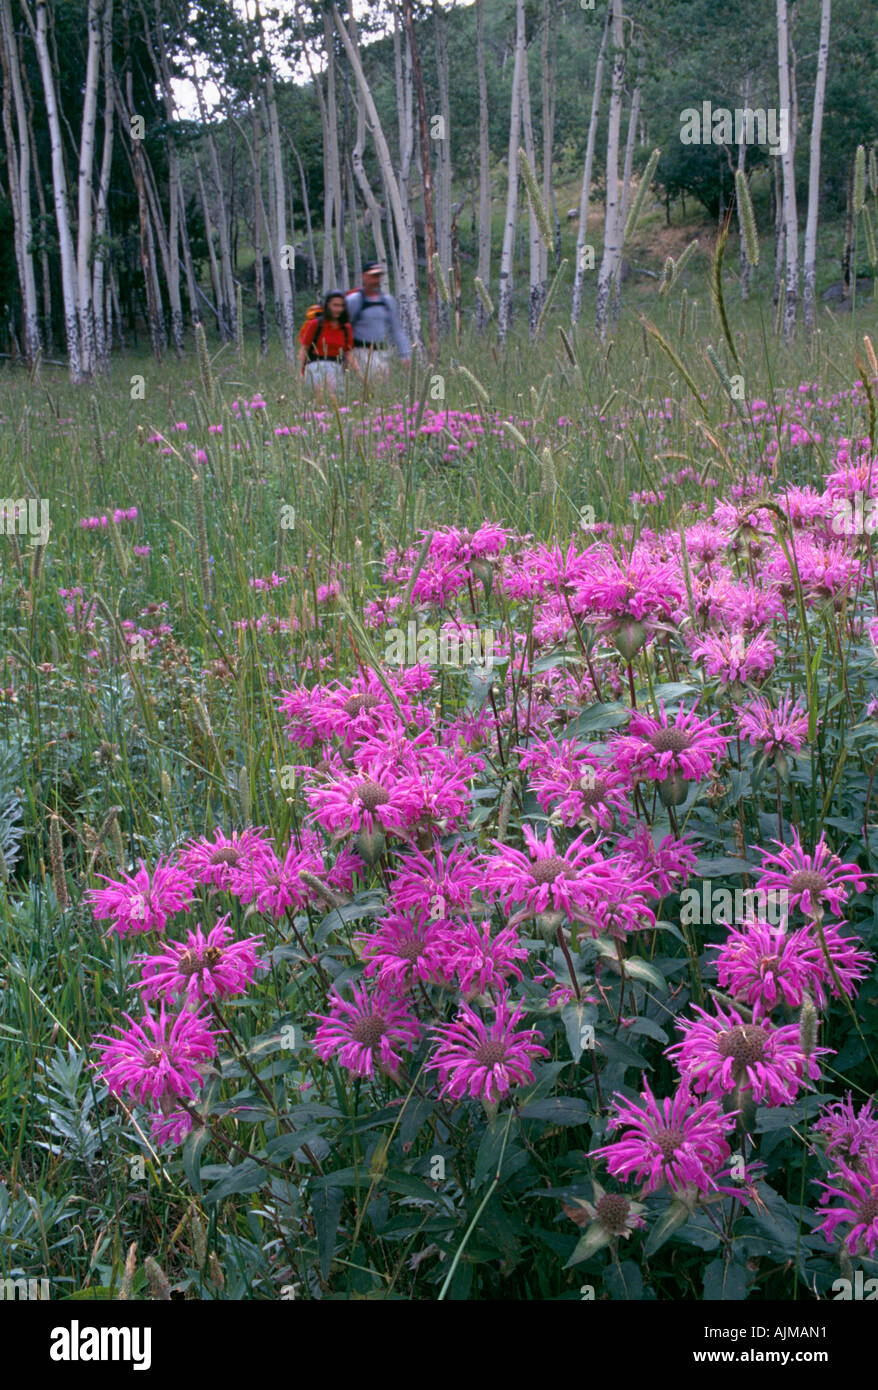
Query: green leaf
(496, 1148)
(589, 1243)
(192, 1150)
(326, 1205)
(641, 969)
(725, 1281)
(560, 1110)
(246, 1176)
(675, 1215)
(616, 1051)
(608, 715)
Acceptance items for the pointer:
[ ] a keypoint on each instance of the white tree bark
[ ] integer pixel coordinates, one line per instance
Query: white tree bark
(359, 167)
(809, 302)
(790, 219)
(612, 254)
(484, 263)
(59, 189)
(443, 169)
(19, 161)
(408, 271)
(504, 306)
(84, 225)
(334, 161)
(287, 299)
(585, 194)
(100, 299)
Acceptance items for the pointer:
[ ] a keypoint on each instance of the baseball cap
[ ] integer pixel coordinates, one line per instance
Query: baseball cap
(371, 266)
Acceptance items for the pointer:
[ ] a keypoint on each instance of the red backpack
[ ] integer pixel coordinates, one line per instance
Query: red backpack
(314, 311)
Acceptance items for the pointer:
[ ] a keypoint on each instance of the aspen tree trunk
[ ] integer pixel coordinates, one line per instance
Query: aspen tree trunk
(226, 281)
(355, 224)
(19, 164)
(359, 168)
(484, 263)
(791, 230)
(582, 245)
(259, 232)
(405, 97)
(612, 219)
(504, 308)
(335, 164)
(779, 233)
(85, 306)
(59, 189)
(547, 78)
(407, 268)
(45, 266)
(443, 169)
(328, 183)
(191, 284)
(809, 301)
(215, 283)
(287, 299)
(312, 254)
(99, 296)
(147, 248)
(427, 180)
(170, 246)
(538, 263)
(627, 169)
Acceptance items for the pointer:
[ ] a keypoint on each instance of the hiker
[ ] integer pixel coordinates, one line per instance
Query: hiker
(376, 325)
(326, 345)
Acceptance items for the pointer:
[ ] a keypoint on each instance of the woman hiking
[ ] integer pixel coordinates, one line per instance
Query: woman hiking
(326, 346)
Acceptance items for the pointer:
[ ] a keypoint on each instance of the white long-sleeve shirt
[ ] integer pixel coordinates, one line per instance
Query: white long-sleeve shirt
(376, 320)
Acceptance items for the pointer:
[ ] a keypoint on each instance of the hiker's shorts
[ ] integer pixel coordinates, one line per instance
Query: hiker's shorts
(374, 361)
(325, 373)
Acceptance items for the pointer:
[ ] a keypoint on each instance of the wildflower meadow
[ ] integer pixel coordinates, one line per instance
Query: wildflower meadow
(543, 973)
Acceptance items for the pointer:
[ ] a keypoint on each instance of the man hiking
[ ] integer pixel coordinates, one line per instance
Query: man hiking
(376, 325)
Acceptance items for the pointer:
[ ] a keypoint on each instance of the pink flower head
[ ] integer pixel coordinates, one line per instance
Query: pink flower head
(733, 657)
(656, 749)
(851, 1135)
(667, 865)
(858, 1197)
(404, 949)
(482, 962)
(201, 968)
(214, 861)
(678, 1141)
(276, 884)
(140, 902)
(722, 1053)
(774, 731)
(349, 712)
(371, 1030)
(765, 965)
(575, 785)
(171, 1128)
(482, 1060)
(544, 880)
(441, 882)
(813, 881)
(373, 798)
(158, 1057)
